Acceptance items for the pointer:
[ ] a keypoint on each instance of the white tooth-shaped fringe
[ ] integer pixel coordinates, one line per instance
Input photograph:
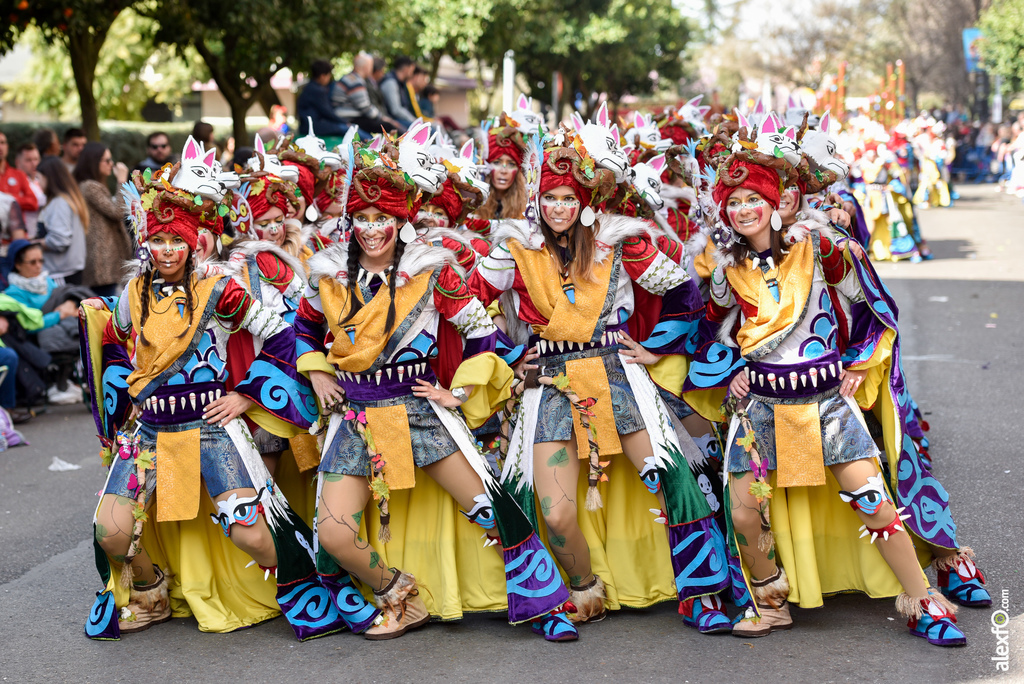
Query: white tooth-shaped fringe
(161, 406)
(359, 378)
(218, 394)
(401, 372)
(604, 339)
(782, 382)
(250, 564)
(202, 399)
(840, 366)
(561, 346)
(771, 380)
(814, 376)
(173, 401)
(389, 373)
(378, 375)
(192, 400)
(792, 380)
(422, 367)
(832, 369)
(760, 379)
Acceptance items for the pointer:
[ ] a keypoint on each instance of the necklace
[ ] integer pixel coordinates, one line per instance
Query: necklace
(763, 266)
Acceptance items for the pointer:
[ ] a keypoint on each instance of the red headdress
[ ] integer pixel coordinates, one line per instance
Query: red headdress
(377, 182)
(567, 166)
(743, 173)
(456, 199)
(332, 190)
(267, 190)
(159, 207)
(505, 138)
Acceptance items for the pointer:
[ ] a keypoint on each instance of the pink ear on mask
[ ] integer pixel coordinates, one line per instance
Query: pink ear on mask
(257, 145)
(192, 150)
(792, 103)
(602, 115)
(377, 143)
(638, 120)
(695, 101)
(790, 133)
(770, 124)
(759, 107)
(657, 163)
(522, 103)
(742, 120)
(704, 110)
(826, 121)
(210, 156)
(615, 134)
(628, 150)
(420, 135)
(577, 121)
(467, 150)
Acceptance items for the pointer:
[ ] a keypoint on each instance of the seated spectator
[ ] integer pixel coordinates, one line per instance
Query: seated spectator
(351, 98)
(429, 99)
(27, 161)
(415, 86)
(315, 103)
(107, 244)
(380, 68)
(9, 384)
(158, 150)
(74, 141)
(47, 142)
(13, 182)
(12, 224)
(396, 95)
(41, 324)
(63, 223)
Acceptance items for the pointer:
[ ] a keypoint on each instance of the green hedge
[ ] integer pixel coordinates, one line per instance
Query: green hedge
(127, 140)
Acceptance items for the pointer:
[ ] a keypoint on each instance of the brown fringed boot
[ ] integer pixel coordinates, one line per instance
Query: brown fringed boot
(401, 608)
(770, 594)
(147, 606)
(588, 602)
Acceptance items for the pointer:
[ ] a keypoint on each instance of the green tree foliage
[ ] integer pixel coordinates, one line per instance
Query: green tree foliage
(81, 26)
(1002, 25)
(245, 42)
(130, 71)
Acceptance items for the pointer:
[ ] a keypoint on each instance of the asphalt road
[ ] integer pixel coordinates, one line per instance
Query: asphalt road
(963, 328)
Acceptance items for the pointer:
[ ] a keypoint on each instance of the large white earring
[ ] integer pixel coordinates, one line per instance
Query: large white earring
(311, 213)
(408, 233)
(776, 221)
(587, 216)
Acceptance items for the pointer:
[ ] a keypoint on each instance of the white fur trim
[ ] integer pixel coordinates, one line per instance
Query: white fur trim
(247, 247)
(332, 262)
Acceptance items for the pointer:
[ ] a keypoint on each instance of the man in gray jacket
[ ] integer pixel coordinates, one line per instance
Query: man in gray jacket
(351, 98)
(396, 95)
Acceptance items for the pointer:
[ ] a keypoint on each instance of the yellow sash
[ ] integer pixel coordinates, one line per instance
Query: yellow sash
(178, 475)
(390, 428)
(587, 378)
(367, 326)
(798, 452)
(567, 321)
(773, 318)
(168, 333)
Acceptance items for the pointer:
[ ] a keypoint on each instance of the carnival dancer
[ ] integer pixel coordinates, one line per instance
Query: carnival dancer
(504, 154)
(568, 277)
(157, 355)
(368, 336)
(895, 234)
(794, 414)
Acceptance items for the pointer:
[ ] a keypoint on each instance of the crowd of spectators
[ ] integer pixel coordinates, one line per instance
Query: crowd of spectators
(369, 96)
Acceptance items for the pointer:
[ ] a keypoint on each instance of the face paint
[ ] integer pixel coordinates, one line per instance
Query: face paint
(376, 235)
(432, 216)
(754, 203)
(271, 231)
(503, 172)
(560, 213)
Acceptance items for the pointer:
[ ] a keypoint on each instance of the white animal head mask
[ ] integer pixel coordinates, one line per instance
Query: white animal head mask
(776, 141)
(601, 139)
(530, 122)
(414, 158)
(645, 134)
(317, 148)
(820, 148)
(647, 181)
(263, 161)
(692, 113)
(196, 174)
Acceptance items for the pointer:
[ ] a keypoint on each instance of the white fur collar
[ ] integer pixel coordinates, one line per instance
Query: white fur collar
(245, 247)
(613, 229)
(419, 257)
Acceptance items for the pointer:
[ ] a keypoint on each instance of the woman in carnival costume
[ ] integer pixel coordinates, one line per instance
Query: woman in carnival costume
(781, 299)
(568, 276)
(170, 427)
(895, 234)
(507, 198)
(368, 336)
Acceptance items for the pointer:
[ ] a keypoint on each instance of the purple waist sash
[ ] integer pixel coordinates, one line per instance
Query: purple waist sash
(389, 382)
(796, 380)
(178, 404)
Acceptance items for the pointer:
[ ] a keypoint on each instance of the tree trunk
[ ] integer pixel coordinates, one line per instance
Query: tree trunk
(84, 50)
(267, 97)
(234, 90)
